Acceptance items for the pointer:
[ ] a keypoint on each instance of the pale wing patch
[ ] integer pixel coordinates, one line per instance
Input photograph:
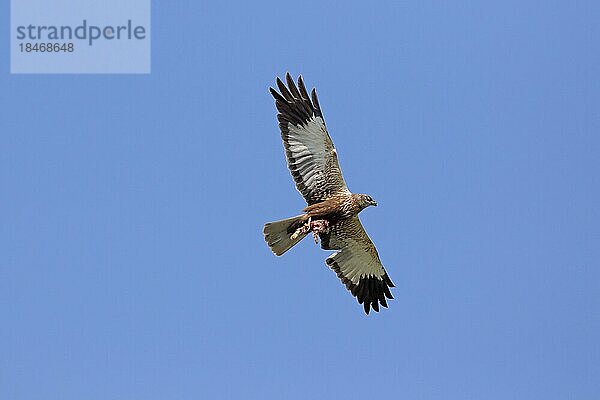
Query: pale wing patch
(357, 264)
(312, 157)
(310, 153)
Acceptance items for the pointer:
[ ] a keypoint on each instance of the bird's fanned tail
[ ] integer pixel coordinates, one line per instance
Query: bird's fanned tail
(282, 235)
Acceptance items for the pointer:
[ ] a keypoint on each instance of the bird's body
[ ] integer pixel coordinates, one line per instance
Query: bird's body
(332, 211)
(336, 207)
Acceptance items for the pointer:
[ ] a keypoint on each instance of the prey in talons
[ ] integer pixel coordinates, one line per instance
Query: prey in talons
(316, 226)
(319, 226)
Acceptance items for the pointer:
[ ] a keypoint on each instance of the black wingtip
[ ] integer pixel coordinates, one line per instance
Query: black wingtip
(383, 302)
(370, 291)
(389, 281)
(315, 101)
(277, 96)
(302, 89)
(292, 86)
(375, 306)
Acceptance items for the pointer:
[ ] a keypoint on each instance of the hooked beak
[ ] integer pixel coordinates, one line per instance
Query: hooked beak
(374, 203)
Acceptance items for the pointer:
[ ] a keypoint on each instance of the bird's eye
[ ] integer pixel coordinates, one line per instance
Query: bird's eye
(369, 198)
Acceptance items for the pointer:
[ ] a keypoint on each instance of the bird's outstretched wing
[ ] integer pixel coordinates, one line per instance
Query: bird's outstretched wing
(310, 153)
(357, 263)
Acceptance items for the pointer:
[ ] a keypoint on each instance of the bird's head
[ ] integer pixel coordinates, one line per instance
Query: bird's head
(366, 201)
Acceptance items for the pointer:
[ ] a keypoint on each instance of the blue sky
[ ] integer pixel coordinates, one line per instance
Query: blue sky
(132, 259)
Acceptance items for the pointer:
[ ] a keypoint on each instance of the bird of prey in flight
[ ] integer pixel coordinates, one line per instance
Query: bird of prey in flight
(332, 211)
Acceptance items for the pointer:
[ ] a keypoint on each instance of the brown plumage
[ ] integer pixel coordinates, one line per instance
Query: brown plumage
(332, 211)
